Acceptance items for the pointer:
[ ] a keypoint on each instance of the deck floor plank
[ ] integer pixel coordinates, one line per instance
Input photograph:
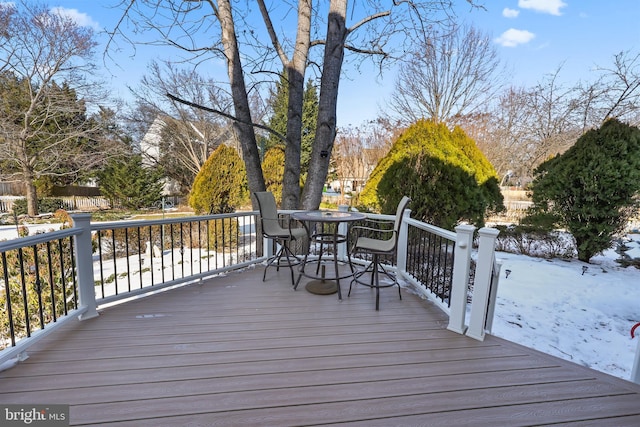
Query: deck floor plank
(234, 350)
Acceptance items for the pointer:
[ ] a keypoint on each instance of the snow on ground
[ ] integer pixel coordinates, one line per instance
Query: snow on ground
(552, 306)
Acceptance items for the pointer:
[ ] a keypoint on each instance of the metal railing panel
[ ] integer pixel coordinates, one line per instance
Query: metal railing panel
(136, 255)
(38, 284)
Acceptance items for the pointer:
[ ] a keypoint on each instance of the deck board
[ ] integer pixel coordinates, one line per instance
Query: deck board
(234, 351)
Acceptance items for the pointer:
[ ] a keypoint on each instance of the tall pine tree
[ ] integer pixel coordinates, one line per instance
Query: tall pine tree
(278, 120)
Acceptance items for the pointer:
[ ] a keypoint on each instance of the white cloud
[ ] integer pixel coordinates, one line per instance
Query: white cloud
(510, 13)
(545, 6)
(513, 37)
(82, 19)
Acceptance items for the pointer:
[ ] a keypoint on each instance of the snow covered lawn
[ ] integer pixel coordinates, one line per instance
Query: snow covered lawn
(552, 306)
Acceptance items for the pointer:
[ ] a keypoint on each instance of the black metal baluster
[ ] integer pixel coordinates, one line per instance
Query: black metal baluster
(237, 237)
(126, 250)
(215, 242)
(38, 284)
(450, 249)
(200, 245)
(419, 261)
(208, 227)
(151, 254)
(173, 262)
(7, 293)
(115, 259)
(182, 247)
(224, 245)
(435, 251)
(162, 252)
(100, 260)
(25, 301)
(435, 267)
(139, 255)
(54, 316)
(191, 248)
(63, 276)
(74, 275)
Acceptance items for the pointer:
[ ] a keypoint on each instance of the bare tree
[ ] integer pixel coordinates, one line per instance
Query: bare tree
(177, 137)
(45, 130)
(229, 32)
(449, 73)
(616, 93)
(529, 125)
(554, 121)
(349, 160)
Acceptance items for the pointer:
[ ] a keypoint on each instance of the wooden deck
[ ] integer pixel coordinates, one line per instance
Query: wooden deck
(235, 351)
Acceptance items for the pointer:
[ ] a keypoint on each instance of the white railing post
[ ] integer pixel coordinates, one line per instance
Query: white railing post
(403, 243)
(342, 229)
(635, 371)
(84, 264)
(462, 262)
(482, 282)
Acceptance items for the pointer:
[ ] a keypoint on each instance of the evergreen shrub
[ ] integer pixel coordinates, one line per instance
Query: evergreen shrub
(447, 177)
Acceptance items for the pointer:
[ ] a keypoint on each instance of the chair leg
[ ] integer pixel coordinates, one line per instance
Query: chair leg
(289, 253)
(286, 252)
(376, 275)
(375, 268)
(273, 259)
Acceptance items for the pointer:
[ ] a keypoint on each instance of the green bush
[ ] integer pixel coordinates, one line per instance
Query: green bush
(221, 185)
(129, 183)
(47, 204)
(448, 179)
(273, 170)
(592, 189)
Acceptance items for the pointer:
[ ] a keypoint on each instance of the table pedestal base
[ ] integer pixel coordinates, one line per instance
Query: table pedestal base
(322, 287)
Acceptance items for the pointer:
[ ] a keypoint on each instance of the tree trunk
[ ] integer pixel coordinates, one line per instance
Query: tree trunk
(326, 127)
(291, 178)
(244, 131)
(32, 197)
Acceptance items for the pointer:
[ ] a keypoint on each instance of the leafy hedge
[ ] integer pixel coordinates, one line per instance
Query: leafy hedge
(447, 177)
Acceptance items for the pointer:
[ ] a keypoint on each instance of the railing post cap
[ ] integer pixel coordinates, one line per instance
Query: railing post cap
(80, 217)
(488, 231)
(465, 228)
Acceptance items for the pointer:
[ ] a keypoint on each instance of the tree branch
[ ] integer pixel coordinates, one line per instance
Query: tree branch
(272, 34)
(228, 116)
(368, 19)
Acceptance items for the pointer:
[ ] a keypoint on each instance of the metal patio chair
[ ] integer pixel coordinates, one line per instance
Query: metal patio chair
(272, 228)
(385, 245)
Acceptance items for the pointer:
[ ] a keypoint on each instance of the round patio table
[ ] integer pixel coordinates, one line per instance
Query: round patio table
(328, 237)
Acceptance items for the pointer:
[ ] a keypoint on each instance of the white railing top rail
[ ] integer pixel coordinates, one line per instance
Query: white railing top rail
(450, 235)
(161, 221)
(24, 242)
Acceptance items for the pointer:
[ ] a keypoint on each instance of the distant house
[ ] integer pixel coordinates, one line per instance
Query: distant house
(150, 145)
(352, 171)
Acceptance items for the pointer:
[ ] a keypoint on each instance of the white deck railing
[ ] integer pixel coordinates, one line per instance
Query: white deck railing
(110, 265)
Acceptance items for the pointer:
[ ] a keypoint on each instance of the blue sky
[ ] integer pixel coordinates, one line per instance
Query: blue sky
(532, 37)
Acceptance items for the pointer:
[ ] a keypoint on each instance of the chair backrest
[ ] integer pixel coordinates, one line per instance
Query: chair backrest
(400, 213)
(268, 213)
